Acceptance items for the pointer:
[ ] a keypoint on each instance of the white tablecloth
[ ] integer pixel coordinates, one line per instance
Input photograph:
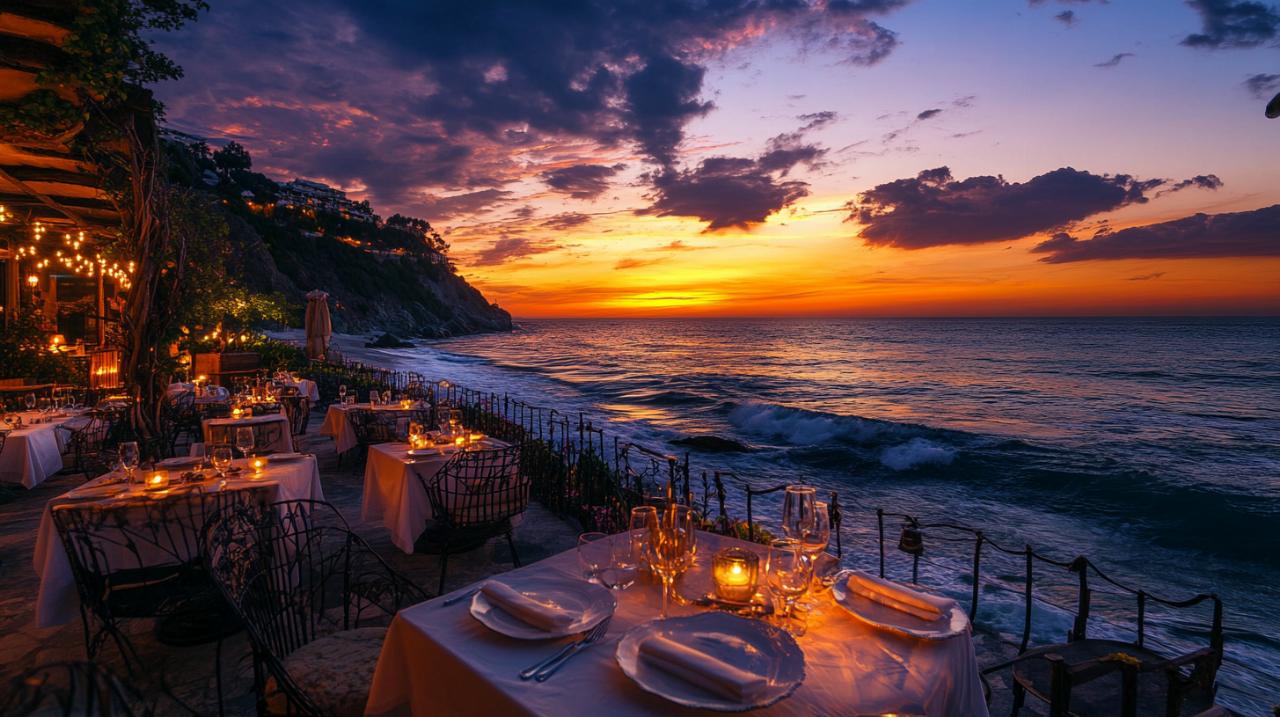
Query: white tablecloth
(33, 453)
(307, 387)
(284, 445)
(394, 496)
(57, 602)
(337, 427)
(440, 661)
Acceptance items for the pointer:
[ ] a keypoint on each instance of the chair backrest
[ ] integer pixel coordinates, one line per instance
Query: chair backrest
(267, 435)
(298, 409)
(121, 544)
(478, 488)
(370, 426)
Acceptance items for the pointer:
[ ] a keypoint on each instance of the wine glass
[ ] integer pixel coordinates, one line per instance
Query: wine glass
(373, 398)
(594, 553)
(386, 397)
(798, 511)
(626, 552)
(455, 420)
(642, 517)
(30, 401)
(244, 440)
(668, 549)
(818, 536)
(129, 458)
(789, 571)
(221, 459)
(342, 393)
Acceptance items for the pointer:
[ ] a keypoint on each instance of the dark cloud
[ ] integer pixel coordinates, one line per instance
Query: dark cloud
(928, 114)
(581, 181)
(1262, 85)
(1066, 17)
(510, 248)
(1200, 181)
(1233, 24)
(567, 220)
(1201, 236)
(1147, 277)
(933, 209)
(391, 98)
(469, 203)
(1115, 60)
(814, 120)
(724, 192)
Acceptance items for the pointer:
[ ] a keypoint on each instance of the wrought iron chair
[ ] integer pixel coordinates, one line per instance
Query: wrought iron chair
(373, 427)
(92, 445)
(315, 599)
(297, 408)
(73, 689)
(266, 436)
(143, 559)
(180, 418)
(474, 497)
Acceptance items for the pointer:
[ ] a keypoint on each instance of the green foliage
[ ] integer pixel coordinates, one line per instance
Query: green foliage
(105, 55)
(233, 156)
(24, 354)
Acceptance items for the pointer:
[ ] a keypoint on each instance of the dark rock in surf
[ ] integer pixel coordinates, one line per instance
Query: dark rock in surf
(712, 444)
(388, 341)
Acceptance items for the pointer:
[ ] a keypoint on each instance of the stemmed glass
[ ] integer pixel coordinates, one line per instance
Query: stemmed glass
(816, 540)
(594, 553)
(642, 517)
(342, 393)
(244, 440)
(30, 401)
(798, 511)
(669, 547)
(789, 572)
(221, 460)
(129, 458)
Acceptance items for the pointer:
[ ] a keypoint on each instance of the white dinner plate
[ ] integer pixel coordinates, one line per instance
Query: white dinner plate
(285, 457)
(747, 644)
(420, 452)
(588, 600)
(886, 618)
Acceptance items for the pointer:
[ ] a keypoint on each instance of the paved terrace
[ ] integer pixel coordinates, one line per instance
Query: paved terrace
(188, 671)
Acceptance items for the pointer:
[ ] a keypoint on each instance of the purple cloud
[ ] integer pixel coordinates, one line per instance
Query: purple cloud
(934, 209)
(1201, 236)
(509, 249)
(581, 181)
(1233, 24)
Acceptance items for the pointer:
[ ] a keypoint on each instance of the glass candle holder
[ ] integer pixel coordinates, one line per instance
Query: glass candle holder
(257, 464)
(157, 480)
(735, 571)
(237, 412)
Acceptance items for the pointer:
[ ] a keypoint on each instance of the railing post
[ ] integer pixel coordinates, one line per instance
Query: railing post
(1026, 618)
(834, 519)
(1081, 627)
(977, 580)
(751, 524)
(1142, 617)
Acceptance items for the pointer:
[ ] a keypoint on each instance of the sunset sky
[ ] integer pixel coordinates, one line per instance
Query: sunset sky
(780, 157)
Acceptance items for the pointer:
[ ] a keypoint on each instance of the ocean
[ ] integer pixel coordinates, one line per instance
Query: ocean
(1152, 446)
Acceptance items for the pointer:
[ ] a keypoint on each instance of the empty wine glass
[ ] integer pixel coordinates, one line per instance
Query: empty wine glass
(244, 440)
(221, 459)
(626, 553)
(342, 393)
(798, 511)
(30, 401)
(789, 571)
(594, 554)
(129, 458)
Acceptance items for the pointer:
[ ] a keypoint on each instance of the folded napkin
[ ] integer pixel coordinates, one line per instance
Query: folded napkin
(538, 614)
(900, 598)
(703, 670)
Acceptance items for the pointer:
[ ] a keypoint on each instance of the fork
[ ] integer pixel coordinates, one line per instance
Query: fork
(529, 672)
(593, 637)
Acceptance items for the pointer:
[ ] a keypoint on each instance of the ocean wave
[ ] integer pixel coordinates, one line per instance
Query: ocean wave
(801, 427)
(916, 453)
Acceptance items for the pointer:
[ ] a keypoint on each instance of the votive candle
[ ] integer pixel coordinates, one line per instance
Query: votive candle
(735, 571)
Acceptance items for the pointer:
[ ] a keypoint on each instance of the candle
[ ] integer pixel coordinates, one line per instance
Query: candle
(236, 412)
(158, 480)
(734, 571)
(460, 441)
(406, 404)
(258, 464)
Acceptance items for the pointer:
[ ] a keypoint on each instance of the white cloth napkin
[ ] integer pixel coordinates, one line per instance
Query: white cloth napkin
(900, 598)
(541, 615)
(703, 670)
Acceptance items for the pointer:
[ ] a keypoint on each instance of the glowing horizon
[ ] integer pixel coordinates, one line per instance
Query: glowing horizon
(607, 214)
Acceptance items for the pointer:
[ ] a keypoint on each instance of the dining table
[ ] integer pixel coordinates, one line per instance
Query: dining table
(393, 488)
(284, 444)
(437, 659)
(337, 423)
(33, 453)
(57, 601)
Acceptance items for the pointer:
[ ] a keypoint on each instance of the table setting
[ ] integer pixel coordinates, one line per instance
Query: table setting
(664, 618)
(394, 472)
(33, 444)
(288, 476)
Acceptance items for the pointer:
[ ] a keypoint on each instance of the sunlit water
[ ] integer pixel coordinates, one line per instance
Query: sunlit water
(1151, 446)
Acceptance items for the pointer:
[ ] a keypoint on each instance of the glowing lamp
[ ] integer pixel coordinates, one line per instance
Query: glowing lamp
(258, 464)
(237, 412)
(32, 280)
(406, 404)
(735, 572)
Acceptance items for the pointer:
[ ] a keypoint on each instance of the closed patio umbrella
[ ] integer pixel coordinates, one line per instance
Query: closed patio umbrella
(317, 324)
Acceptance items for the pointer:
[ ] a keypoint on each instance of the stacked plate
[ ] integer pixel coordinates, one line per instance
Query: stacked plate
(534, 607)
